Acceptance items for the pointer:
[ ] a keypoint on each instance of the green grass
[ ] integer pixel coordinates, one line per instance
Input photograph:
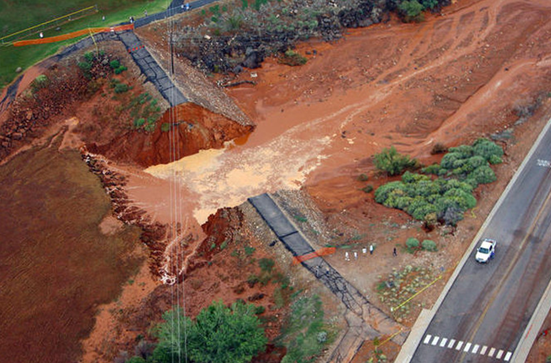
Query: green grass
(115, 12)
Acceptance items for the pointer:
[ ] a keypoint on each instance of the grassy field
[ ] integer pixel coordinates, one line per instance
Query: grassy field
(56, 265)
(36, 12)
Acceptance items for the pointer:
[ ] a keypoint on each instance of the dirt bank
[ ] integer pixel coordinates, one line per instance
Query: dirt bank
(182, 131)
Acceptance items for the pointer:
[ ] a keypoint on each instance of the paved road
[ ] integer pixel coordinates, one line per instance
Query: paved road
(488, 307)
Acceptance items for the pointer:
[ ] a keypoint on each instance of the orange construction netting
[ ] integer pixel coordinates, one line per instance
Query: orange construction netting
(321, 252)
(78, 33)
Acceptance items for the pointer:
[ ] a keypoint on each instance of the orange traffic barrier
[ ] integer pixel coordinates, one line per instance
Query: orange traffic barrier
(321, 252)
(78, 33)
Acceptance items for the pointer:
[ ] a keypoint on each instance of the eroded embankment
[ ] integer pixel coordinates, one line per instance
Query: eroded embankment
(182, 131)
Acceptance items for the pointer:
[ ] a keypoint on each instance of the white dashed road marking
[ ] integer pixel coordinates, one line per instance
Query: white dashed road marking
(427, 339)
(467, 347)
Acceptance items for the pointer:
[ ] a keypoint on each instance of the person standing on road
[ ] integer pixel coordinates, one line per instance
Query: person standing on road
(370, 249)
(394, 252)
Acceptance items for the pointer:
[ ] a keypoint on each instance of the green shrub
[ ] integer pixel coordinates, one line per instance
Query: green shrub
(429, 245)
(392, 162)
(115, 64)
(136, 359)
(449, 159)
(85, 66)
(432, 169)
(139, 123)
(483, 175)
(487, 148)
(368, 188)
(412, 243)
(249, 250)
(494, 159)
(121, 88)
(382, 193)
(120, 69)
(362, 177)
(266, 264)
(41, 81)
(165, 127)
(409, 177)
(466, 151)
(411, 10)
(259, 310)
(292, 58)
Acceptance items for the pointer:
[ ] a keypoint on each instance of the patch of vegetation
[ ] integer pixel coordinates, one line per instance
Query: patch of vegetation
(117, 67)
(446, 198)
(249, 250)
(219, 334)
(412, 244)
(368, 188)
(392, 162)
(292, 58)
(400, 286)
(305, 334)
(429, 245)
(145, 112)
(363, 177)
(266, 264)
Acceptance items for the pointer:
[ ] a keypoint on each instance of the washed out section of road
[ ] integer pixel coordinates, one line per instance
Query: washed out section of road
(365, 316)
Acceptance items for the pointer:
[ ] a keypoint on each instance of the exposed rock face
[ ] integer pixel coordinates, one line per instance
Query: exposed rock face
(154, 234)
(197, 128)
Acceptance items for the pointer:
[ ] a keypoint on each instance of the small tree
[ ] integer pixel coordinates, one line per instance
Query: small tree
(392, 162)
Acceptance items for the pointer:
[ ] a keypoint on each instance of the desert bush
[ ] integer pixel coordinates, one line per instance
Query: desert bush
(121, 88)
(429, 245)
(41, 81)
(266, 264)
(494, 159)
(363, 177)
(411, 10)
(484, 175)
(410, 177)
(115, 64)
(368, 188)
(487, 149)
(432, 169)
(392, 162)
(292, 58)
(466, 151)
(412, 243)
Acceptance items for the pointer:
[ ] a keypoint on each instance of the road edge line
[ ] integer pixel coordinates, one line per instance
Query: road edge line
(531, 332)
(412, 347)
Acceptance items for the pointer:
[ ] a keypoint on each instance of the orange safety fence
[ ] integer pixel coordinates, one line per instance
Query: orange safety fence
(321, 252)
(76, 34)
